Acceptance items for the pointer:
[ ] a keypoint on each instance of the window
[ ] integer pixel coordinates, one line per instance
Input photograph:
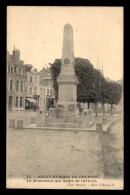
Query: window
(21, 87)
(12, 70)
(35, 80)
(23, 72)
(44, 102)
(30, 90)
(21, 101)
(17, 86)
(40, 91)
(15, 69)
(16, 101)
(26, 79)
(11, 85)
(50, 91)
(44, 91)
(9, 68)
(30, 79)
(26, 90)
(34, 90)
(47, 91)
(19, 71)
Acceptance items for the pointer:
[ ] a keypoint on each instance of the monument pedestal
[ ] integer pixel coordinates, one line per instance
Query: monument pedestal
(66, 106)
(67, 109)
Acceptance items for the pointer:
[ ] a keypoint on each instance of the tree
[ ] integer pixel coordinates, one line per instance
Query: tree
(104, 96)
(84, 72)
(113, 94)
(98, 88)
(55, 70)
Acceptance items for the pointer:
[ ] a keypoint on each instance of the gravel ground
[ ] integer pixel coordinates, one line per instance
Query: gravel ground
(44, 152)
(113, 151)
(50, 152)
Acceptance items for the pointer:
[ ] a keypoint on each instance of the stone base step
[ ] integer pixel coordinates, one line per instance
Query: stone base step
(49, 120)
(91, 124)
(30, 127)
(63, 120)
(63, 125)
(68, 120)
(40, 124)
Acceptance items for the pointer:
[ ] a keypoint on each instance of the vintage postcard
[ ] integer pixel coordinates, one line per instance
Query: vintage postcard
(64, 96)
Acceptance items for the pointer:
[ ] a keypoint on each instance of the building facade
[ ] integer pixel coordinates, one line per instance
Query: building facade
(47, 98)
(16, 76)
(27, 89)
(32, 88)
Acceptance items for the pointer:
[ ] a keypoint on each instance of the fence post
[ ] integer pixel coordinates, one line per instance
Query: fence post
(19, 124)
(33, 120)
(12, 123)
(98, 126)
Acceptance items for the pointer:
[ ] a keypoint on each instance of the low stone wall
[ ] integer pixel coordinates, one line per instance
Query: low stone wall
(28, 117)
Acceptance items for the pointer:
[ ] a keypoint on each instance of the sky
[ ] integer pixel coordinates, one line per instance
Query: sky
(38, 32)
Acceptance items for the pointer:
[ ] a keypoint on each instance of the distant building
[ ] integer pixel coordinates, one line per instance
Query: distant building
(16, 76)
(47, 98)
(32, 88)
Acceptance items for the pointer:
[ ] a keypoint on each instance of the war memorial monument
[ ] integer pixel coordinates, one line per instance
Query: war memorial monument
(66, 114)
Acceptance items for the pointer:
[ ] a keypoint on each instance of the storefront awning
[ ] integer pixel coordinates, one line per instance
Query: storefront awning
(36, 96)
(50, 97)
(31, 100)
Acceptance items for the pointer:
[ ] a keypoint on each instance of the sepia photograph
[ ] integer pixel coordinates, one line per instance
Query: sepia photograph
(64, 97)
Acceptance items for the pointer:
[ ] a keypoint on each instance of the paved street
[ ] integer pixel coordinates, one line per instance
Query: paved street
(50, 152)
(112, 147)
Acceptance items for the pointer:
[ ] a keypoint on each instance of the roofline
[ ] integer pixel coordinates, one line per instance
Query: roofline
(34, 73)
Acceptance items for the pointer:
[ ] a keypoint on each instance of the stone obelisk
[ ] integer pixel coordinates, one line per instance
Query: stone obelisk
(67, 80)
